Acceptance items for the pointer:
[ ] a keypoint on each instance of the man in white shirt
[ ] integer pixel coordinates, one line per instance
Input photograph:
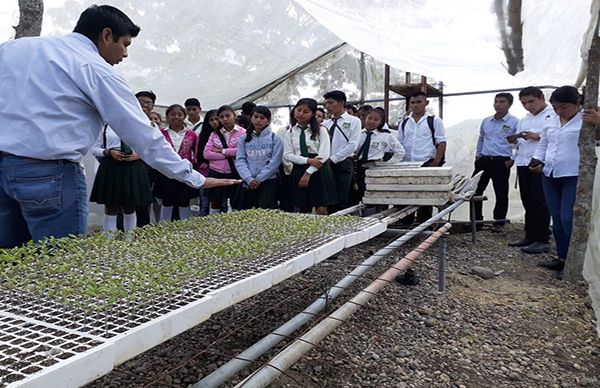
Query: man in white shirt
(193, 109)
(56, 94)
(526, 140)
(424, 138)
(344, 131)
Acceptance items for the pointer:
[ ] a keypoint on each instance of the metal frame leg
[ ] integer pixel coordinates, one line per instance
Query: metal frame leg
(442, 251)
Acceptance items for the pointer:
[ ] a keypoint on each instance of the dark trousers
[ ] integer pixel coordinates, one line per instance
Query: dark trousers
(560, 196)
(493, 168)
(342, 173)
(537, 217)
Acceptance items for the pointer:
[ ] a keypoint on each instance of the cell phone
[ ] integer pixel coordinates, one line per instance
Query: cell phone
(535, 162)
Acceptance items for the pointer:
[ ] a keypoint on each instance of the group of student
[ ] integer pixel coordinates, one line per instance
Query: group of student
(312, 164)
(319, 163)
(544, 147)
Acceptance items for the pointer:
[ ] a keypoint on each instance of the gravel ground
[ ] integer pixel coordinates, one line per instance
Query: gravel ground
(522, 328)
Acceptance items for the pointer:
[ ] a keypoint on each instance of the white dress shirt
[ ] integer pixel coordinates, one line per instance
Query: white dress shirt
(56, 94)
(113, 141)
(176, 137)
(530, 123)
(319, 146)
(417, 140)
(558, 148)
(381, 142)
(342, 148)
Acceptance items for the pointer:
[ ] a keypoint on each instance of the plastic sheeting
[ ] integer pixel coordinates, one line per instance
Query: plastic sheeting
(217, 51)
(458, 41)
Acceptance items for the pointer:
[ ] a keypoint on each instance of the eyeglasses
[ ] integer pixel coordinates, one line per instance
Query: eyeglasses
(146, 102)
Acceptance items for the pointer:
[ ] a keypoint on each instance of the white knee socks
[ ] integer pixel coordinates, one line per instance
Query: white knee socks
(129, 221)
(109, 223)
(166, 212)
(184, 213)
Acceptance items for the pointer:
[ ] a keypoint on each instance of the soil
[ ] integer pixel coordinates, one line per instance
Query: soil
(521, 328)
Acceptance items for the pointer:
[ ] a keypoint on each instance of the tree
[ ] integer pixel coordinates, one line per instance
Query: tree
(587, 166)
(31, 13)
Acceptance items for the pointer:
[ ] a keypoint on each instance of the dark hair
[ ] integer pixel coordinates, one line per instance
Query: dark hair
(315, 127)
(192, 102)
(262, 110)
(336, 95)
(379, 111)
(243, 121)
(351, 107)
(566, 94)
(418, 93)
(507, 96)
(146, 93)
(531, 91)
(98, 17)
(225, 108)
(248, 108)
(175, 106)
(321, 110)
(205, 131)
(365, 108)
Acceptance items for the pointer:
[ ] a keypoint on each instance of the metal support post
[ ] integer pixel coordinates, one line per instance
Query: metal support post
(442, 251)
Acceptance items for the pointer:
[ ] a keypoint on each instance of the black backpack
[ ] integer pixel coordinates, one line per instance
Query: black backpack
(432, 129)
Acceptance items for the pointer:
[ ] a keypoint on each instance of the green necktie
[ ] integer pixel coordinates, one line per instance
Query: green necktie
(303, 147)
(364, 152)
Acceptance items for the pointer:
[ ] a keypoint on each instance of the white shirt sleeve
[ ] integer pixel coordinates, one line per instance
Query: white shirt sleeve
(120, 109)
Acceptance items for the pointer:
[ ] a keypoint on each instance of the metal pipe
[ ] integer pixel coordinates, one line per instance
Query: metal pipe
(227, 370)
(442, 249)
(287, 357)
(348, 210)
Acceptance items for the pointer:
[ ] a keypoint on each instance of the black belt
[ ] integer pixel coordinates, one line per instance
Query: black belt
(485, 157)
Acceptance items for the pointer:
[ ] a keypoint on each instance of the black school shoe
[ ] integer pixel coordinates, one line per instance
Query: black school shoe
(536, 247)
(554, 264)
(408, 278)
(521, 243)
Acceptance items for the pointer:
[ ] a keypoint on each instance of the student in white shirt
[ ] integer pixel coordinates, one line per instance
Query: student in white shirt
(557, 156)
(306, 152)
(376, 144)
(526, 140)
(344, 131)
(424, 138)
(56, 94)
(193, 109)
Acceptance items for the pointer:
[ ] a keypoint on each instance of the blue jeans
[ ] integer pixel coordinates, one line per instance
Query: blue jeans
(40, 198)
(560, 199)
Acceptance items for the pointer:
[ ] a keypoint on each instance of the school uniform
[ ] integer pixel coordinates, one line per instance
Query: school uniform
(374, 146)
(421, 143)
(170, 191)
(417, 139)
(298, 147)
(259, 160)
(194, 127)
(344, 132)
(119, 183)
(493, 151)
(559, 151)
(537, 217)
(222, 164)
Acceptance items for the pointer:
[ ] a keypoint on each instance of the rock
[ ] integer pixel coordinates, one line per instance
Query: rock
(513, 376)
(482, 272)
(423, 310)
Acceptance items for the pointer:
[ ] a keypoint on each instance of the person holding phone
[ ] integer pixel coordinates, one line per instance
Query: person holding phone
(526, 140)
